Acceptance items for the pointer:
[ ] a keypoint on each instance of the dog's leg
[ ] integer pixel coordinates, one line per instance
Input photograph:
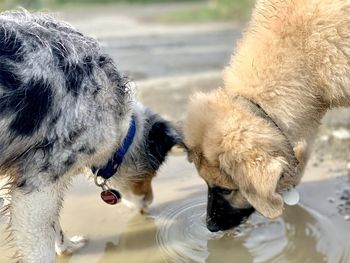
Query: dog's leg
(63, 244)
(33, 221)
(66, 246)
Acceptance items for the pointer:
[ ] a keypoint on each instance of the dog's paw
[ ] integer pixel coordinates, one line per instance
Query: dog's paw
(69, 246)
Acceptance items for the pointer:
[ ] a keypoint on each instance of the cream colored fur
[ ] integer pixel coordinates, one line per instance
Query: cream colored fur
(294, 61)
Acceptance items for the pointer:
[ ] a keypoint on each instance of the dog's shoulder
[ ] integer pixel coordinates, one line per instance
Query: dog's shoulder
(58, 93)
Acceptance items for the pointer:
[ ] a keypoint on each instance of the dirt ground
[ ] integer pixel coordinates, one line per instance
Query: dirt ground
(168, 63)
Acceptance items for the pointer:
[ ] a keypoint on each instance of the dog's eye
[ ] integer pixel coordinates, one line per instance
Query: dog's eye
(225, 191)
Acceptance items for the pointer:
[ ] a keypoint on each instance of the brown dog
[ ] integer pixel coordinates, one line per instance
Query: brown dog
(250, 140)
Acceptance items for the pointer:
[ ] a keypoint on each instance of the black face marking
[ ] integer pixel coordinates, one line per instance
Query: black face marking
(223, 191)
(11, 45)
(31, 102)
(221, 215)
(159, 142)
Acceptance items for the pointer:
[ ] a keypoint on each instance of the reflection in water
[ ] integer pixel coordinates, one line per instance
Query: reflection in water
(300, 236)
(136, 244)
(182, 233)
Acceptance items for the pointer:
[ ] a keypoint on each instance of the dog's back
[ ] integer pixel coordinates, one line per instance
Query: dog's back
(63, 106)
(307, 41)
(60, 97)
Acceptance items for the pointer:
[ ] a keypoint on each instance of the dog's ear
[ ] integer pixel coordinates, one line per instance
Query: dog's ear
(257, 179)
(179, 129)
(161, 137)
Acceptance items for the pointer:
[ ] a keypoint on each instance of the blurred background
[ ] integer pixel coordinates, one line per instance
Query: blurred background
(169, 48)
(205, 10)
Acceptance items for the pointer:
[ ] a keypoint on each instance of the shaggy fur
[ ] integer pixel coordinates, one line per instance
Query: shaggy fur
(294, 62)
(63, 107)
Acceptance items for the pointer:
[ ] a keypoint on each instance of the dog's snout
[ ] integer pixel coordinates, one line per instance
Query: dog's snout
(212, 226)
(221, 215)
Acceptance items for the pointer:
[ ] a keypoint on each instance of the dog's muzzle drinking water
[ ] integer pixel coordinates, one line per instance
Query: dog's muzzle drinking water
(220, 214)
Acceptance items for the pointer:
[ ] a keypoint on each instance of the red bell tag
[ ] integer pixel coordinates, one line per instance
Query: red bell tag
(111, 196)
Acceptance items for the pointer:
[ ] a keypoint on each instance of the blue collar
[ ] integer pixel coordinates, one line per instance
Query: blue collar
(113, 164)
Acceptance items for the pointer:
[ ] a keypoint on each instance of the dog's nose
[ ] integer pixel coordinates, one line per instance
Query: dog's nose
(212, 226)
(217, 224)
(221, 216)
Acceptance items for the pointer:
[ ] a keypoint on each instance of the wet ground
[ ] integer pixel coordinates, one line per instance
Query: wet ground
(168, 63)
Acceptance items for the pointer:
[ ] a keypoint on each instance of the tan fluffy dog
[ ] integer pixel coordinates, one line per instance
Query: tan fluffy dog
(250, 140)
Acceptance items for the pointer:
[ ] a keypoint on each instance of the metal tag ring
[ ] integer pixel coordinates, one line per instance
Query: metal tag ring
(96, 180)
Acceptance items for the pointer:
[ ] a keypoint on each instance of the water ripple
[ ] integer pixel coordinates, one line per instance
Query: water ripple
(302, 235)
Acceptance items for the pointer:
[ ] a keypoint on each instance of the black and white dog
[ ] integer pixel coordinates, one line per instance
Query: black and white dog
(65, 107)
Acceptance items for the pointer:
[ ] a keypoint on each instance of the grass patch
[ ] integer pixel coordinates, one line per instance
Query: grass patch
(214, 10)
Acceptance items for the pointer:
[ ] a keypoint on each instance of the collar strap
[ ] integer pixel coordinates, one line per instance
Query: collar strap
(260, 112)
(113, 164)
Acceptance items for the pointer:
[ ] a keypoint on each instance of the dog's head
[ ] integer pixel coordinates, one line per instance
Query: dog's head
(154, 139)
(242, 157)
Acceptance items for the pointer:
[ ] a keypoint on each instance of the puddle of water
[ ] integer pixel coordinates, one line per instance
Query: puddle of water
(301, 235)
(175, 230)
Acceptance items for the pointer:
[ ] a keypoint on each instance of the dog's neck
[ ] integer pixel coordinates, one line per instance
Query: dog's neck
(118, 157)
(296, 107)
(298, 117)
(293, 101)
(273, 69)
(137, 142)
(260, 112)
